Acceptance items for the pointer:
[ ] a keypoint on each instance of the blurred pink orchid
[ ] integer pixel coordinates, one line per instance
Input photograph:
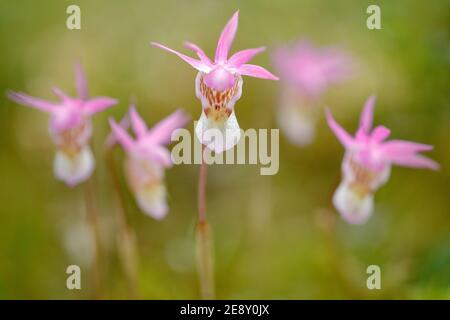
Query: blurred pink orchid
(147, 158)
(367, 163)
(70, 128)
(306, 73)
(219, 85)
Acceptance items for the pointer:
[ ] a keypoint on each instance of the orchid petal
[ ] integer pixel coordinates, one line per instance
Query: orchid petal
(160, 155)
(111, 140)
(380, 133)
(200, 53)
(81, 82)
(342, 135)
(365, 122)
(226, 38)
(61, 94)
(404, 153)
(24, 99)
(244, 56)
(98, 104)
(162, 131)
(122, 136)
(139, 126)
(197, 64)
(415, 161)
(255, 71)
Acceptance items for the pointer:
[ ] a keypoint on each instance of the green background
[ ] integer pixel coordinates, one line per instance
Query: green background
(275, 237)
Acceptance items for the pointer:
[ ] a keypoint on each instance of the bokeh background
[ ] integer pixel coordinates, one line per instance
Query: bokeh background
(275, 237)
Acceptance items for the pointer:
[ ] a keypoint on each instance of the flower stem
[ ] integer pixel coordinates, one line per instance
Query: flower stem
(205, 263)
(94, 220)
(126, 239)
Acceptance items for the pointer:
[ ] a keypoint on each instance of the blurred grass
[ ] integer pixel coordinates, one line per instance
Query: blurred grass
(275, 237)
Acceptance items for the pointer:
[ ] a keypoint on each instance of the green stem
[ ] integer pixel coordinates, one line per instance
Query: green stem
(94, 221)
(126, 239)
(205, 263)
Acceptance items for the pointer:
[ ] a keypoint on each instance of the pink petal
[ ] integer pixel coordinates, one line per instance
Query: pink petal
(405, 153)
(244, 56)
(365, 122)
(380, 133)
(111, 140)
(139, 126)
(162, 131)
(197, 64)
(226, 38)
(98, 104)
(415, 161)
(346, 139)
(122, 136)
(24, 99)
(81, 82)
(402, 147)
(256, 71)
(160, 155)
(200, 53)
(61, 94)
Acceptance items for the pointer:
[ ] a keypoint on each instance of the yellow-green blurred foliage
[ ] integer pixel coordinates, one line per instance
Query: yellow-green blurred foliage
(275, 236)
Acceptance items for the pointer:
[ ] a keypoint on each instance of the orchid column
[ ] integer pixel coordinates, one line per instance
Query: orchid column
(306, 73)
(367, 164)
(218, 85)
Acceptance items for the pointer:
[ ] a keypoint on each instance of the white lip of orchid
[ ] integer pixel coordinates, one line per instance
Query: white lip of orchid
(218, 114)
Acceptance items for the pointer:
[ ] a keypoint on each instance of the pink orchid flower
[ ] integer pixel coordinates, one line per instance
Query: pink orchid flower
(219, 85)
(367, 163)
(70, 128)
(306, 73)
(147, 158)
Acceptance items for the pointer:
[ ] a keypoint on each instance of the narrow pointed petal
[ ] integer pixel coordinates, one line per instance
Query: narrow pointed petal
(122, 136)
(226, 38)
(162, 131)
(402, 147)
(61, 94)
(197, 64)
(81, 82)
(74, 169)
(415, 161)
(111, 140)
(244, 56)
(200, 53)
(256, 71)
(342, 135)
(139, 126)
(26, 100)
(365, 122)
(405, 153)
(98, 104)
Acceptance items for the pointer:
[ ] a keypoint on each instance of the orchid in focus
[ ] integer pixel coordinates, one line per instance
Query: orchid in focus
(70, 128)
(367, 163)
(306, 74)
(147, 158)
(219, 85)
